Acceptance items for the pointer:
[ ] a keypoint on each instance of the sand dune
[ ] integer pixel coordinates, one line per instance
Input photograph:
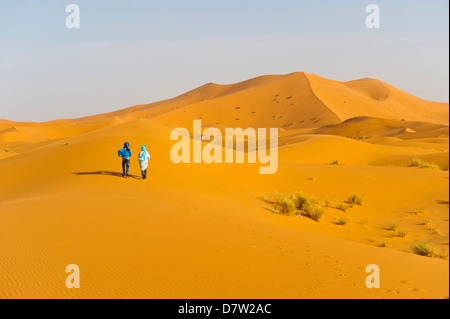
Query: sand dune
(374, 98)
(369, 127)
(327, 148)
(204, 231)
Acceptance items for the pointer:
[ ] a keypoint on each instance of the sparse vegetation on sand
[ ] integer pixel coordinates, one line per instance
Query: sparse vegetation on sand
(393, 227)
(335, 162)
(308, 205)
(426, 249)
(419, 210)
(382, 244)
(287, 204)
(402, 233)
(397, 233)
(302, 201)
(341, 207)
(342, 221)
(284, 205)
(313, 211)
(426, 222)
(355, 199)
(417, 162)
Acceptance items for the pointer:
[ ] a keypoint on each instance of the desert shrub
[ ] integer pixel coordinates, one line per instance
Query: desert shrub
(284, 205)
(431, 166)
(382, 244)
(342, 221)
(393, 227)
(425, 249)
(335, 162)
(422, 249)
(301, 200)
(314, 200)
(401, 233)
(313, 211)
(417, 162)
(355, 199)
(426, 222)
(341, 206)
(308, 205)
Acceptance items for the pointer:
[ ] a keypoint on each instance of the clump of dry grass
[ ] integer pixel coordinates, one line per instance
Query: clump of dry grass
(313, 211)
(308, 205)
(302, 201)
(355, 199)
(393, 227)
(426, 222)
(417, 162)
(426, 249)
(341, 207)
(342, 221)
(382, 244)
(285, 206)
(335, 162)
(401, 233)
(282, 203)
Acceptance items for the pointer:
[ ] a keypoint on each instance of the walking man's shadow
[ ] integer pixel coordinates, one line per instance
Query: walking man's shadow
(105, 173)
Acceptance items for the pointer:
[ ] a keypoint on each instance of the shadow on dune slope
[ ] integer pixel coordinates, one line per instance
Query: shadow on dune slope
(116, 174)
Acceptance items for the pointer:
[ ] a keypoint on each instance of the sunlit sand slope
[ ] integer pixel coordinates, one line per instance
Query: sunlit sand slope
(210, 230)
(190, 231)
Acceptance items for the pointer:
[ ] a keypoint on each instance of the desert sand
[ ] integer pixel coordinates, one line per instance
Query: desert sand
(208, 230)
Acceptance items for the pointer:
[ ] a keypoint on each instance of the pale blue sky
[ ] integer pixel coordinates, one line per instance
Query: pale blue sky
(135, 52)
